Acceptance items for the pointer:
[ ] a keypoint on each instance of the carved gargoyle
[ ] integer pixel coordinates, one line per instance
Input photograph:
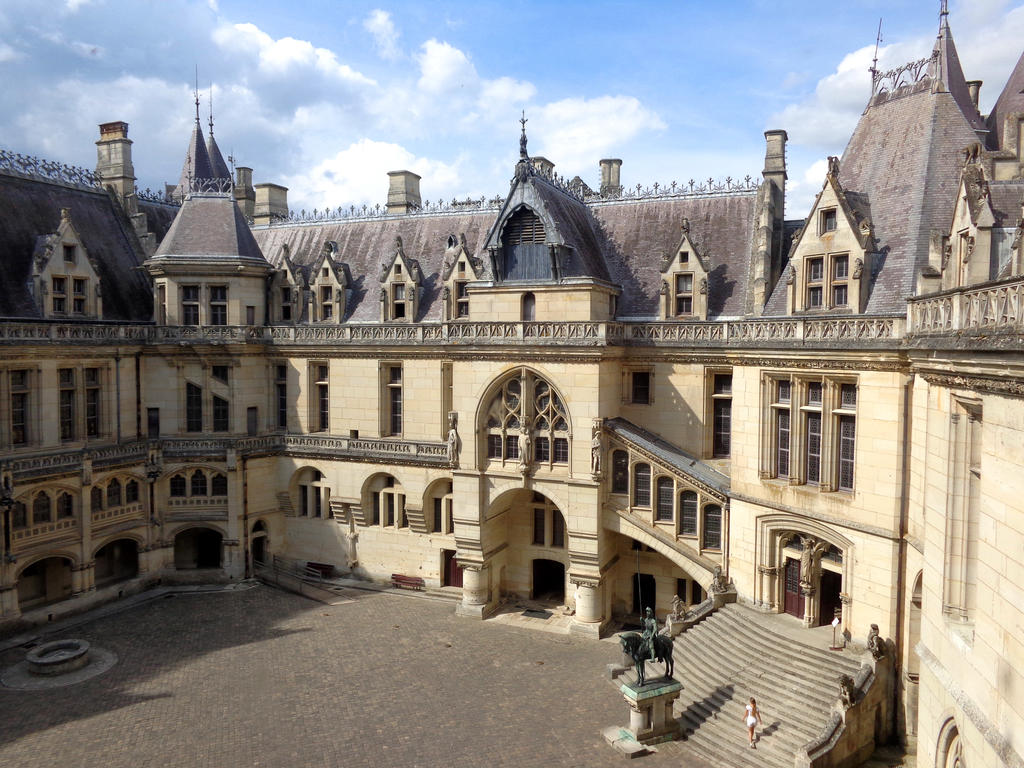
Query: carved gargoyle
(847, 691)
(833, 167)
(875, 643)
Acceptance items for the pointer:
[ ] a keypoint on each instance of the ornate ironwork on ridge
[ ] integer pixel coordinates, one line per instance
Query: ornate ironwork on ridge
(151, 196)
(908, 74)
(210, 187)
(692, 188)
(33, 167)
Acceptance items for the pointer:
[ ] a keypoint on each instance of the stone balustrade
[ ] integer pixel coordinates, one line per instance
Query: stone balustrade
(756, 332)
(41, 531)
(102, 517)
(991, 307)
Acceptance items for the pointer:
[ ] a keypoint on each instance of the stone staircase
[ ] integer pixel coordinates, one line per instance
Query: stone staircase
(729, 657)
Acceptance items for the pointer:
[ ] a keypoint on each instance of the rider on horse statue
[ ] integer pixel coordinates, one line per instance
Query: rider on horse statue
(650, 630)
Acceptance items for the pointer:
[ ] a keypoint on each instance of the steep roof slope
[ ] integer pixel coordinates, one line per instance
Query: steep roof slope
(1010, 100)
(30, 208)
(210, 227)
(364, 243)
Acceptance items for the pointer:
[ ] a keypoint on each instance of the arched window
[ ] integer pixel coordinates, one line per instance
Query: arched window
(524, 253)
(665, 494)
(198, 483)
(41, 512)
(688, 513)
(19, 515)
(96, 498)
(712, 527)
(178, 486)
(114, 494)
(620, 472)
(529, 308)
(387, 500)
(526, 414)
(219, 485)
(131, 492)
(65, 506)
(642, 485)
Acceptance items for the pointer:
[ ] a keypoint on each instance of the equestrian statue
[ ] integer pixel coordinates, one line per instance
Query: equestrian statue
(648, 646)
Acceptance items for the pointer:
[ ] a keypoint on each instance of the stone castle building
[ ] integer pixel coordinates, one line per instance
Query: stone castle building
(591, 397)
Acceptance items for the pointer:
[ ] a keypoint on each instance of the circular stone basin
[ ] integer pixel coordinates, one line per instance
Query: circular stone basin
(58, 657)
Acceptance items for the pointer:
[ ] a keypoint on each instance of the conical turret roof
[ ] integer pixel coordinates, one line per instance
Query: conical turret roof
(1010, 100)
(197, 162)
(947, 69)
(218, 168)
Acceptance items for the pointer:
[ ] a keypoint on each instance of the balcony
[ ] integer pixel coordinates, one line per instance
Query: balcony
(991, 308)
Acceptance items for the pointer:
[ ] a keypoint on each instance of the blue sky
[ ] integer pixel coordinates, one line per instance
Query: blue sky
(326, 96)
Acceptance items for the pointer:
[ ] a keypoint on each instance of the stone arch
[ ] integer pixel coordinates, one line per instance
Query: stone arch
(773, 534)
(58, 553)
(138, 538)
(542, 409)
(198, 547)
(45, 579)
(313, 501)
(504, 488)
(383, 499)
(697, 568)
(437, 505)
(116, 560)
(260, 538)
(948, 747)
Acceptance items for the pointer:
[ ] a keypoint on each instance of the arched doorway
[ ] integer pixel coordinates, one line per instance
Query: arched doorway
(44, 582)
(116, 561)
(259, 543)
(197, 548)
(548, 580)
(812, 578)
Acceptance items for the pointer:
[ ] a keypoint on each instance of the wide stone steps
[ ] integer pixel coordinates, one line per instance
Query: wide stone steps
(728, 658)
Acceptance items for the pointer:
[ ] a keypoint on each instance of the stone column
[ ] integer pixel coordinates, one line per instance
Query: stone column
(588, 617)
(474, 590)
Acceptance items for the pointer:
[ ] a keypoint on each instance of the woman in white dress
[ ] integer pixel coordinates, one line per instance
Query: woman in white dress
(752, 718)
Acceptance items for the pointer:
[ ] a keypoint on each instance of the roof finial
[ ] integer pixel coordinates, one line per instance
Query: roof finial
(211, 110)
(196, 94)
(943, 15)
(522, 138)
(878, 40)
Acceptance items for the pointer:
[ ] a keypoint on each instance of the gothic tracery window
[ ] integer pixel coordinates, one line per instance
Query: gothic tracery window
(527, 423)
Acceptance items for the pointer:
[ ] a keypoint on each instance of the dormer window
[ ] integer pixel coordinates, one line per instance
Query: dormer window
(815, 277)
(398, 297)
(828, 220)
(69, 254)
(286, 304)
(684, 257)
(462, 267)
(461, 298)
(326, 307)
(78, 296)
(326, 272)
(398, 270)
(840, 274)
(59, 286)
(684, 293)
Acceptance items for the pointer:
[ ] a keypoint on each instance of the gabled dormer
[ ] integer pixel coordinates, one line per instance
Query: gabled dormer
(65, 281)
(329, 283)
(400, 279)
(287, 291)
(830, 257)
(459, 268)
(684, 280)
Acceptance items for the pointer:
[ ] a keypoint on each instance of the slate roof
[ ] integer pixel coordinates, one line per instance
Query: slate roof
(218, 168)
(30, 208)
(671, 455)
(210, 227)
(1006, 197)
(1011, 99)
(364, 244)
(948, 70)
(576, 224)
(197, 161)
(639, 233)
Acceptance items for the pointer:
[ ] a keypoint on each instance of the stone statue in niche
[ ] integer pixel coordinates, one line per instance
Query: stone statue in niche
(350, 539)
(525, 446)
(596, 449)
(383, 295)
(664, 288)
(858, 269)
(452, 446)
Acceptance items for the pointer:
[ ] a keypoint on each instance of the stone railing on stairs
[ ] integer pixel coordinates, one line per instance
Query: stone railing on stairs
(861, 718)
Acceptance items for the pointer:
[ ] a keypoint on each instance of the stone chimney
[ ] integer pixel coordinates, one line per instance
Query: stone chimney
(610, 185)
(974, 88)
(403, 192)
(245, 195)
(544, 166)
(270, 203)
(114, 159)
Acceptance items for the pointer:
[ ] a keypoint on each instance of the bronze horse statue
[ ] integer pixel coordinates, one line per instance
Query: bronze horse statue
(633, 645)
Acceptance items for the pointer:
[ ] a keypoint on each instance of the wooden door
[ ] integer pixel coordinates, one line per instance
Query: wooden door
(452, 572)
(794, 602)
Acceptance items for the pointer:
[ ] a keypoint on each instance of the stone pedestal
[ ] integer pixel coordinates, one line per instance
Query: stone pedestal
(650, 710)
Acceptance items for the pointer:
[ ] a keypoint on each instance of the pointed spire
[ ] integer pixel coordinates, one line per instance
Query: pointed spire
(1011, 99)
(197, 159)
(946, 68)
(943, 16)
(522, 139)
(211, 110)
(218, 168)
(196, 94)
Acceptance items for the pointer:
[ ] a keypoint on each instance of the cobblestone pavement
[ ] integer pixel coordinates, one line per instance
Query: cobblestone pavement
(267, 678)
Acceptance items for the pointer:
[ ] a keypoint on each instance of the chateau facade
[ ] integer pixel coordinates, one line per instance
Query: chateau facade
(591, 397)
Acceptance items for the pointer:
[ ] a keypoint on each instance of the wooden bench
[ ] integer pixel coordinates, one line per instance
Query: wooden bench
(324, 570)
(398, 581)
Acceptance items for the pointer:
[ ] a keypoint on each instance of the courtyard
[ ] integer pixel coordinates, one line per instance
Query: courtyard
(262, 677)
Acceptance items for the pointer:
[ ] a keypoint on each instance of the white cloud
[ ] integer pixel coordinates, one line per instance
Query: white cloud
(71, 6)
(576, 132)
(444, 68)
(385, 36)
(7, 53)
(286, 56)
(358, 174)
